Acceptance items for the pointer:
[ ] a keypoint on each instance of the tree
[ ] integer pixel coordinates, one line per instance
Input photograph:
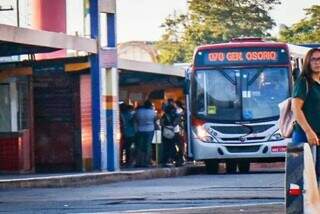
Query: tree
(213, 21)
(307, 30)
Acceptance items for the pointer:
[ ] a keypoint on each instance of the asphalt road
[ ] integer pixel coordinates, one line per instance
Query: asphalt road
(261, 192)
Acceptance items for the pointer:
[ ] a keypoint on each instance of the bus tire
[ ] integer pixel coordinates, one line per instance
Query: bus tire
(244, 166)
(231, 166)
(212, 166)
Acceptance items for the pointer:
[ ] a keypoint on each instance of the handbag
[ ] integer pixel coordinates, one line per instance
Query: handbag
(286, 117)
(156, 137)
(168, 132)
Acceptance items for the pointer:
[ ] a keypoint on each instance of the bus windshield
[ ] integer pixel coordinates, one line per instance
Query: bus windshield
(240, 94)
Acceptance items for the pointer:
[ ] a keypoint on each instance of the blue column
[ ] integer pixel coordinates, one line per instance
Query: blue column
(111, 25)
(95, 86)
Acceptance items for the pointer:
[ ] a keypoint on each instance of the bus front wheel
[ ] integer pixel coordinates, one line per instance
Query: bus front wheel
(212, 166)
(244, 166)
(231, 166)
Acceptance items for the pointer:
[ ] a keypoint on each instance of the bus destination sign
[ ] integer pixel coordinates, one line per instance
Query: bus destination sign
(240, 56)
(247, 56)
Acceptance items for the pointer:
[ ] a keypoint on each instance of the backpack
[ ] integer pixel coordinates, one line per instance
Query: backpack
(286, 119)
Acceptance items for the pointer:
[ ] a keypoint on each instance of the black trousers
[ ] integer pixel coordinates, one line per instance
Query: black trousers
(172, 149)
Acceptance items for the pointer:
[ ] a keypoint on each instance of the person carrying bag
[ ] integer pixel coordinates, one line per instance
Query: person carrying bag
(306, 104)
(168, 130)
(169, 120)
(306, 101)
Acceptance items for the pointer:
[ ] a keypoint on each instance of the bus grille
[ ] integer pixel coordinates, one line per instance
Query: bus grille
(241, 129)
(240, 149)
(239, 139)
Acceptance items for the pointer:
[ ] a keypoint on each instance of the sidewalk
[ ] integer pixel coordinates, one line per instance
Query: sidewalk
(125, 174)
(91, 178)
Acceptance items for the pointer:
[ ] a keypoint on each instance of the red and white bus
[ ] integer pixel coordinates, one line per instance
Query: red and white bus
(233, 96)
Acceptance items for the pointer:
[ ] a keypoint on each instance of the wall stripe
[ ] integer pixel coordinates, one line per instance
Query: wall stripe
(73, 67)
(109, 102)
(14, 72)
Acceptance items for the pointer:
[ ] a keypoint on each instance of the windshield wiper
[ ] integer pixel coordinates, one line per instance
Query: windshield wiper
(250, 129)
(255, 77)
(233, 81)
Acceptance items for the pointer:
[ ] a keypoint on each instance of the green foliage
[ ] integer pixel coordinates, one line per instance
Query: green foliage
(306, 30)
(213, 21)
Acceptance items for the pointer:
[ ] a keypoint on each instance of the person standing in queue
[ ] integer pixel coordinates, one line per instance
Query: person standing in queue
(169, 103)
(145, 118)
(169, 121)
(180, 130)
(295, 71)
(122, 108)
(128, 133)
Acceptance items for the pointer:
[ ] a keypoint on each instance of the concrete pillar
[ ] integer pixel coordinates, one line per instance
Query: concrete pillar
(104, 77)
(49, 15)
(112, 119)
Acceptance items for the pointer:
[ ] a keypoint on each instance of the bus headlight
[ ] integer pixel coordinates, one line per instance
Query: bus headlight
(203, 135)
(276, 136)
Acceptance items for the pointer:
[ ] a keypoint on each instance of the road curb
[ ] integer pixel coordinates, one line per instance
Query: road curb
(85, 179)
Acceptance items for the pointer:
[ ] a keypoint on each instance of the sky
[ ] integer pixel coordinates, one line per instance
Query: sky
(140, 20)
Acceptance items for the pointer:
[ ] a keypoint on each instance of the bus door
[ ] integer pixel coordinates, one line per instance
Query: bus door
(187, 91)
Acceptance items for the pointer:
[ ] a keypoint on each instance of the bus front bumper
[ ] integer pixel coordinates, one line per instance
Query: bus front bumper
(259, 150)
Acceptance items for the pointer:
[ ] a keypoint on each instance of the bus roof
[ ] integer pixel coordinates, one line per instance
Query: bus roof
(298, 51)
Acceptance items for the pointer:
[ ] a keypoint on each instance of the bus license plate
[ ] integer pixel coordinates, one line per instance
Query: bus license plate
(278, 149)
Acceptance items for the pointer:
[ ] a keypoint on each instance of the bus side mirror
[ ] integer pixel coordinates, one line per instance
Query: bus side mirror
(186, 87)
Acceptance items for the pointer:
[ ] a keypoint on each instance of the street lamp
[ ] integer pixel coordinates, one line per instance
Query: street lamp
(6, 8)
(11, 8)
(18, 13)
